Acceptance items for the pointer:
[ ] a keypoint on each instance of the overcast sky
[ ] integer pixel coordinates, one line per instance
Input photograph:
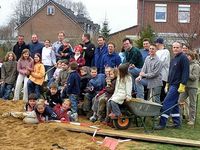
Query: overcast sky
(120, 14)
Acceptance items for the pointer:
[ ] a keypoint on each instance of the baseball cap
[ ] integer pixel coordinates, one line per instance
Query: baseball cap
(159, 40)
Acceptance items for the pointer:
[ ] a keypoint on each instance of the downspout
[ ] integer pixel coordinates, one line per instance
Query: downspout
(142, 21)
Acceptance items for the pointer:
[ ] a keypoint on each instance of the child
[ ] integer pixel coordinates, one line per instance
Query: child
(62, 111)
(36, 78)
(24, 67)
(48, 59)
(53, 96)
(63, 75)
(56, 72)
(65, 50)
(99, 103)
(122, 92)
(78, 57)
(85, 78)
(8, 75)
(191, 87)
(73, 89)
(30, 105)
(96, 84)
(44, 113)
(29, 116)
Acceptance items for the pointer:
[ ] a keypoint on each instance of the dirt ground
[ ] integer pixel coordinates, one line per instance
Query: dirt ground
(15, 135)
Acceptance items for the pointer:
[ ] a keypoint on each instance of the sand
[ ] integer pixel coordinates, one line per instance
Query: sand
(16, 135)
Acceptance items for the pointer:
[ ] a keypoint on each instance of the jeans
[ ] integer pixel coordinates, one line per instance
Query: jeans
(155, 91)
(74, 102)
(134, 73)
(34, 88)
(50, 72)
(50, 82)
(114, 108)
(20, 79)
(6, 89)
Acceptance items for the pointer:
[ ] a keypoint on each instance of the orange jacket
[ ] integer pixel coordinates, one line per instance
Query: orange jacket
(37, 76)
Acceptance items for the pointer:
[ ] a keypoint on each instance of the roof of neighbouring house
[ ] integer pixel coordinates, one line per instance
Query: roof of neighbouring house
(80, 19)
(132, 27)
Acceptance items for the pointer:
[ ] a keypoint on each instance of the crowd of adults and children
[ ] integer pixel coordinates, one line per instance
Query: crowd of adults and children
(95, 80)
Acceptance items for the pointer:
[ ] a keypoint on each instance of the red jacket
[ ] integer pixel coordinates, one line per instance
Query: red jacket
(60, 113)
(80, 61)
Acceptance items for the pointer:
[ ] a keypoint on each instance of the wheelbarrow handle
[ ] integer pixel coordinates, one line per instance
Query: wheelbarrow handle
(169, 108)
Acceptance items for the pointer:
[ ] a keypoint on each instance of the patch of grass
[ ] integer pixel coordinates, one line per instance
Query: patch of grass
(185, 132)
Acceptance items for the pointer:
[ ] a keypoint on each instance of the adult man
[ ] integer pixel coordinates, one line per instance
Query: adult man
(145, 50)
(88, 49)
(56, 45)
(111, 59)
(35, 46)
(19, 46)
(134, 58)
(178, 76)
(150, 75)
(164, 55)
(100, 51)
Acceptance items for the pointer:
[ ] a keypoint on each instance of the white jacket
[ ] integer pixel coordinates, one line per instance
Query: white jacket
(164, 56)
(48, 56)
(123, 90)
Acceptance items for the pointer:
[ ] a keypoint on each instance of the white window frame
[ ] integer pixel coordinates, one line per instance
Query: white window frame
(50, 10)
(163, 8)
(184, 9)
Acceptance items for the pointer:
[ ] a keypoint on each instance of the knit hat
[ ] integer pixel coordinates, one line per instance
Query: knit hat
(78, 48)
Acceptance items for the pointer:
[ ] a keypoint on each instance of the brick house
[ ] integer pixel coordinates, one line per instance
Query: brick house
(171, 19)
(52, 18)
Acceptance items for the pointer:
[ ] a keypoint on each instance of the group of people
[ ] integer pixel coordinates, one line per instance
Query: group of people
(97, 79)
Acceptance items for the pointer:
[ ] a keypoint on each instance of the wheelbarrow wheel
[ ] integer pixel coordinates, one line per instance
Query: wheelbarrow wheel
(122, 123)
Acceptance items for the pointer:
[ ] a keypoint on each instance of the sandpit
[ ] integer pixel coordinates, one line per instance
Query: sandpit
(16, 135)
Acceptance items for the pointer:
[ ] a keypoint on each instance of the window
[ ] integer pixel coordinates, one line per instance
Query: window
(184, 13)
(160, 12)
(50, 10)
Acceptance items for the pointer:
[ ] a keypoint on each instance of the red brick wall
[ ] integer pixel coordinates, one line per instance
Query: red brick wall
(47, 26)
(172, 23)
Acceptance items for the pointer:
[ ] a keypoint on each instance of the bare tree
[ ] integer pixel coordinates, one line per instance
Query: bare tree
(189, 32)
(26, 8)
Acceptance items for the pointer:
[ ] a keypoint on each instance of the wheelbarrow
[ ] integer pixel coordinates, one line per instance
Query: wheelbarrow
(138, 108)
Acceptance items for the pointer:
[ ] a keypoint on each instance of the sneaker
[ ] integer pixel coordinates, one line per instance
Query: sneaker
(191, 123)
(7, 114)
(93, 118)
(175, 126)
(74, 117)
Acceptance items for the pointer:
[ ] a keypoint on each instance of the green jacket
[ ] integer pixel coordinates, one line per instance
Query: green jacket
(9, 72)
(194, 75)
(134, 56)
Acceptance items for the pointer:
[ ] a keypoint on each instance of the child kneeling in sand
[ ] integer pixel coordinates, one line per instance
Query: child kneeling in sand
(29, 116)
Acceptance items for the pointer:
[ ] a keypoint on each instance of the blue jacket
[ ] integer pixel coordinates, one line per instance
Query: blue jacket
(110, 60)
(97, 82)
(145, 53)
(35, 48)
(73, 83)
(178, 70)
(48, 114)
(98, 55)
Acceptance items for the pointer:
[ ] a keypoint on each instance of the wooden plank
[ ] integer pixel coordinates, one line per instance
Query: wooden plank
(134, 136)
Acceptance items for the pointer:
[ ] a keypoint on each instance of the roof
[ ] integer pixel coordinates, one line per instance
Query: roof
(132, 27)
(80, 19)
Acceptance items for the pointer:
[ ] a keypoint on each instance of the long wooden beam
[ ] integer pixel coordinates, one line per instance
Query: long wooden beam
(134, 136)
